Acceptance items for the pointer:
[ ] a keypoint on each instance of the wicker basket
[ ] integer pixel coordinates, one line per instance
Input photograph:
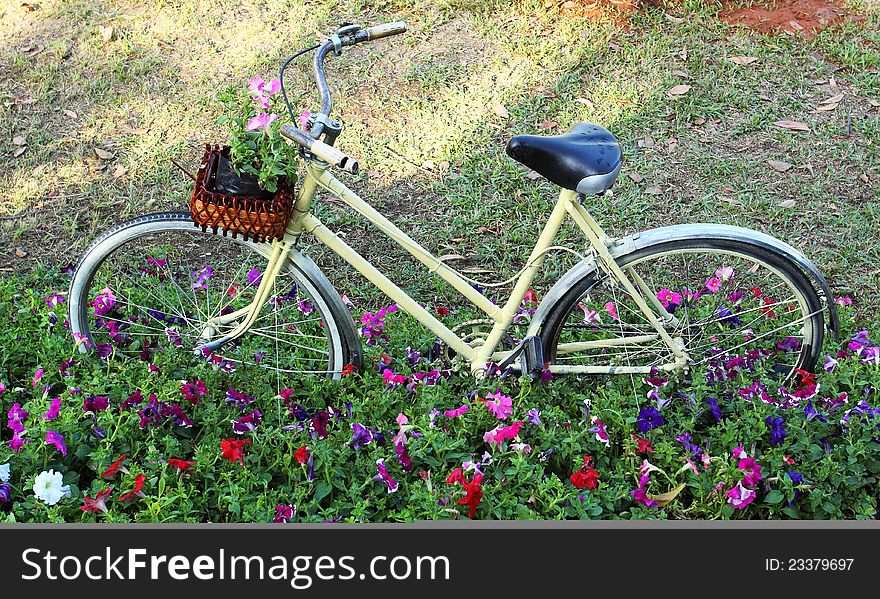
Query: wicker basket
(253, 218)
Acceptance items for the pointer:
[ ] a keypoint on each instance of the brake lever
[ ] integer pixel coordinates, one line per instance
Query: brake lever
(336, 38)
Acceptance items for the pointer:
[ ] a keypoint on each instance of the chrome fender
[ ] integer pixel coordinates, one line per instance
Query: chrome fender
(696, 231)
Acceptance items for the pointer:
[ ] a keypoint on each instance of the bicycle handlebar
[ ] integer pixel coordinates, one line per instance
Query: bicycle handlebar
(309, 140)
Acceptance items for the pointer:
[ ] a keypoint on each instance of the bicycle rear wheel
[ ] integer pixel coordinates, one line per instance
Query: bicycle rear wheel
(157, 283)
(731, 305)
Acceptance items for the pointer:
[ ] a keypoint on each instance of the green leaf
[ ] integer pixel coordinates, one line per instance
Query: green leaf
(322, 489)
(774, 497)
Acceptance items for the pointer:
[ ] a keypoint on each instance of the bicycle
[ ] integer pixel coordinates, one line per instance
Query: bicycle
(673, 298)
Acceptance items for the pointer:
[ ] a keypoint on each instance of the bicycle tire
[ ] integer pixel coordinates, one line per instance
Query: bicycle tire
(551, 329)
(344, 347)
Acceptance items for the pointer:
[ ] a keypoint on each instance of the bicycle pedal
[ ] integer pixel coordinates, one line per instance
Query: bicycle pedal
(532, 356)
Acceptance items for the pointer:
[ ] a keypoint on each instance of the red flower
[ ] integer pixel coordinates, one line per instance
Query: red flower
(530, 297)
(806, 379)
(442, 311)
(586, 477)
(182, 465)
(455, 477)
(139, 481)
(347, 369)
(473, 492)
(98, 504)
(233, 449)
(644, 445)
(474, 495)
(302, 454)
(115, 467)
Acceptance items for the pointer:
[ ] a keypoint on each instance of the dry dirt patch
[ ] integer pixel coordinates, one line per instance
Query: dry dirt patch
(792, 17)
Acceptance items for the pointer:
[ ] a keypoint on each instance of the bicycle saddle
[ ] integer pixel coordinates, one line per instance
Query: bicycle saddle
(585, 159)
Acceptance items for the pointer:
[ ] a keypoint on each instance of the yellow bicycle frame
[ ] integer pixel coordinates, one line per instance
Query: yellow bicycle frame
(319, 176)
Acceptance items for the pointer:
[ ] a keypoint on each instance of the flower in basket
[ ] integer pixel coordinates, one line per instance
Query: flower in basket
(257, 151)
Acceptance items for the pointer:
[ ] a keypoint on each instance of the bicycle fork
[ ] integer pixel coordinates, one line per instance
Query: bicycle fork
(252, 310)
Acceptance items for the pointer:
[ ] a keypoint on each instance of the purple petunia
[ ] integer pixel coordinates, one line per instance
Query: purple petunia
(777, 429)
(714, 409)
(247, 423)
(385, 476)
(361, 436)
(650, 418)
(56, 439)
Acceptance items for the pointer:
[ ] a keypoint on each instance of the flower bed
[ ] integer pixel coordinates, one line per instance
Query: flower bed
(101, 439)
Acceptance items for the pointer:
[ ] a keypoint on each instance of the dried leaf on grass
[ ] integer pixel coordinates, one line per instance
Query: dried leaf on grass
(792, 125)
(678, 90)
(742, 60)
(778, 165)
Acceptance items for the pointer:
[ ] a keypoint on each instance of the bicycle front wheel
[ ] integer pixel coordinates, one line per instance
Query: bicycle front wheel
(157, 283)
(730, 306)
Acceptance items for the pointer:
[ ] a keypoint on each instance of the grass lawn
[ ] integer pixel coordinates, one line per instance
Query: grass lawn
(97, 97)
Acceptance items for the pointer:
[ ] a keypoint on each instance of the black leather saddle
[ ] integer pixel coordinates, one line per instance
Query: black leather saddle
(585, 159)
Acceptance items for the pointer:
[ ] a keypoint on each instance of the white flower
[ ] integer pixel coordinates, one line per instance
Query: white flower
(4, 473)
(48, 487)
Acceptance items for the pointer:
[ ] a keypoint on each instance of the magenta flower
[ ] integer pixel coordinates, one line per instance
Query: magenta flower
(713, 284)
(261, 121)
(95, 404)
(640, 494)
(843, 301)
(104, 302)
(460, 411)
(56, 439)
(612, 310)
(54, 409)
(54, 299)
(739, 497)
(599, 429)
(385, 477)
(752, 471)
(37, 376)
(501, 407)
(669, 298)
(284, 514)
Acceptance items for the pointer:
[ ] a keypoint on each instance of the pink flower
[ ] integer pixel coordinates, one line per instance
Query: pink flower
(304, 119)
(262, 90)
(725, 273)
(456, 412)
(501, 407)
(502, 433)
(37, 376)
(402, 419)
(261, 121)
(392, 379)
(668, 298)
(842, 301)
(739, 497)
(612, 310)
(713, 284)
(590, 316)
